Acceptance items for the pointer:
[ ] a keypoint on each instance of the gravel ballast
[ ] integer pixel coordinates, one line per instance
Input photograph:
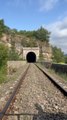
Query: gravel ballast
(38, 95)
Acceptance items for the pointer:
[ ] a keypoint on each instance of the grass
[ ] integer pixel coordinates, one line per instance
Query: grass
(4, 77)
(16, 74)
(62, 75)
(3, 74)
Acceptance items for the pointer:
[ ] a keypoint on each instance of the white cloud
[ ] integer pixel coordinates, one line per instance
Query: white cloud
(47, 4)
(59, 34)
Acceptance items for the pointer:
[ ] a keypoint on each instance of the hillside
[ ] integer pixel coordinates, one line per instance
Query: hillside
(37, 38)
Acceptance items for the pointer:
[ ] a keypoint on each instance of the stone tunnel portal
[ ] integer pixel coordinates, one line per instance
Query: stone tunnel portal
(31, 57)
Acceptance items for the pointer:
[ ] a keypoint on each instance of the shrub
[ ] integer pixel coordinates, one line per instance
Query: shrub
(3, 55)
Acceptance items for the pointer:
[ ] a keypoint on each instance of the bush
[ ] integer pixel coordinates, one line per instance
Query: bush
(3, 55)
(13, 55)
(3, 62)
(3, 74)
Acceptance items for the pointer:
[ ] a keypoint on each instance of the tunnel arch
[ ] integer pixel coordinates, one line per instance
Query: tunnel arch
(31, 57)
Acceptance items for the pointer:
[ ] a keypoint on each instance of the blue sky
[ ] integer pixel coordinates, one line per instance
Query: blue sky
(31, 14)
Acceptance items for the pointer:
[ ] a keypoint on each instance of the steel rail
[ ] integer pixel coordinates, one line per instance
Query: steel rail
(58, 85)
(3, 112)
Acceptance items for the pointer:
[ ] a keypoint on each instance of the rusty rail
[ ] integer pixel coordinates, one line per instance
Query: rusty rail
(3, 112)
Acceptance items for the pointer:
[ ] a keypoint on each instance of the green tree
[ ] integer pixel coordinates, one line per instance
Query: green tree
(65, 59)
(3, 62)
(42, 34)
(58, 55)
(3, 55)
(1, 27)
(37, 37)
(7, 30)
(22, 32)
(32, 43)
(13, 55)
(15, 30)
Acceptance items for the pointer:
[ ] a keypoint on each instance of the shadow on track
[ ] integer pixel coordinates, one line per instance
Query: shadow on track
(41, 115)
(48, 116)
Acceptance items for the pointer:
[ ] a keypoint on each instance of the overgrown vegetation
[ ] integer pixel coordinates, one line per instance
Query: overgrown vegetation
(13, 54)
(3, 74)
(58, 55)
(3, 28)
(3, 54)
(65, 59)
(3, 62)
(35, 38)
(63, 75)
(41, 34)
(29, 39)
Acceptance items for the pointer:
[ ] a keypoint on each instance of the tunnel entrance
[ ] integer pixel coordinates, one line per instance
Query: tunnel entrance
(31, 57)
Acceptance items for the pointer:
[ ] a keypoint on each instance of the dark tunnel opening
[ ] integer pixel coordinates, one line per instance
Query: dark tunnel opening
(31, 57)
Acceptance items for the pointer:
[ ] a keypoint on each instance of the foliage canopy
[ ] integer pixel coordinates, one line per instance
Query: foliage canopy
(58, 55)
(3, 54)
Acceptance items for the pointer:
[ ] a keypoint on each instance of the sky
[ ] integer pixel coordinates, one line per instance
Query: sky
(32, 14)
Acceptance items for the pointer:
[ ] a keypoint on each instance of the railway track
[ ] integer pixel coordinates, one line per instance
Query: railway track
(13, 95)
(37, 98)
(58, 84)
